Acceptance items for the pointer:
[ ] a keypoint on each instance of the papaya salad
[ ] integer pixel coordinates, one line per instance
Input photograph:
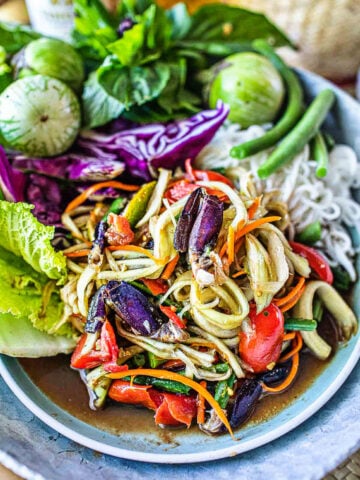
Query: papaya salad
(185, 252)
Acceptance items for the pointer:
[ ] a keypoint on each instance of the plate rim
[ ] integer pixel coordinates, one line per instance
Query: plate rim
(222, 453)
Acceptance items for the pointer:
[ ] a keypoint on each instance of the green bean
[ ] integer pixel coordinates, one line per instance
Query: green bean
(164, 384)
(311, 234)
(223, 390)
(154, 361)
(291, 113)
(300, 135)
(320, 154)
(302, 324)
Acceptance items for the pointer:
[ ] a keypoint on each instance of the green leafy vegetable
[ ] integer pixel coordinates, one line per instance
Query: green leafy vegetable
(221, 30)
(98, 106)
(136, 85)
(23, 235)
(19, 338)
(13, 36)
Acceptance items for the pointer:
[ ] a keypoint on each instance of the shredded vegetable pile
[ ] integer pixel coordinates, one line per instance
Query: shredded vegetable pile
(189, 284)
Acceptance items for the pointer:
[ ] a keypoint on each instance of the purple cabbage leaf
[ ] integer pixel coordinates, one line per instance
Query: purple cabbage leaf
(152, 146)
(12, 182)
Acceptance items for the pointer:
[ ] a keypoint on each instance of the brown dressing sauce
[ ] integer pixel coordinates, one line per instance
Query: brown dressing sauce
(65, 388)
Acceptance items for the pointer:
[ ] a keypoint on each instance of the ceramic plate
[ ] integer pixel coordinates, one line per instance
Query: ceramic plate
(195, 447)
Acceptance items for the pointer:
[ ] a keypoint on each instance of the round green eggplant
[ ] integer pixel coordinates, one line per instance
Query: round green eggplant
(251, 86)
(55, 58)
(39, 116)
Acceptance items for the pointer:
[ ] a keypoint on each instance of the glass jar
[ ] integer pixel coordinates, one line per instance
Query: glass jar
(52, 17)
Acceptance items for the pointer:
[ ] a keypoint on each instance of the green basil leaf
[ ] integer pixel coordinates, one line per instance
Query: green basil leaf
(221, 30)
(134, 85)
(98, 106)
(127, 48)
(94, 28)
(14, 37)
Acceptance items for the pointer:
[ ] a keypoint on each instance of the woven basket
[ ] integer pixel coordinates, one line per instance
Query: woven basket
(327, 32)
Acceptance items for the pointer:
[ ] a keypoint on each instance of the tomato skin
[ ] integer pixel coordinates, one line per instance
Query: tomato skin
(316, 261)
(210, 176)
(262, 345)
(107, 354)
(125, 392)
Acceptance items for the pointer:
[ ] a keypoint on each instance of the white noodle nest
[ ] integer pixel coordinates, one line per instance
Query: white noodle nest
(309, 198)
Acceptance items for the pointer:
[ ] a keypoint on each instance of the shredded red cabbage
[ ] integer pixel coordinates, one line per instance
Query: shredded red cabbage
(12, 182)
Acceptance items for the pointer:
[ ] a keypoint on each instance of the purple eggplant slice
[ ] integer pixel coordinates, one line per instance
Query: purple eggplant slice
(187, 220)
(246, 398)
(97, 311)
(207, 225)
(133, 308)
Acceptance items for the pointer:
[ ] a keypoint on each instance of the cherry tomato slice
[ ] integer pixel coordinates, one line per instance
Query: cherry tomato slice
(316, 261)
(261, 346)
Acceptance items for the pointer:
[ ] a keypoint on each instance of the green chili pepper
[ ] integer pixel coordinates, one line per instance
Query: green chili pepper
(320, 154)
(136, 208)
(116, 207)
(291, 113)
(311, 234)
(300, 135)
(168, 385)
(318, 310)
(300, 324)
(342, 280)
(223, 390)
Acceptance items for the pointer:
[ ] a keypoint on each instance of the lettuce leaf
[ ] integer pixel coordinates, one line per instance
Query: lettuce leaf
(19, 338)
(26, 237)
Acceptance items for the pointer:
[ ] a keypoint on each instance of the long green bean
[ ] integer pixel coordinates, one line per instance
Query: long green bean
(311, 234)
(291, 113)
(320, 154)
(300, 135)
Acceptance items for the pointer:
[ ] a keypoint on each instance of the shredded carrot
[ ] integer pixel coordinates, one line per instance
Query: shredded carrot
(297, 346)
(156, 287)
(253, 207)
(293, 301)
(205, 343)
(239, 273)
(231, 245)
(255, 224)
(136, 248)
(243, 230)
(78, 253)
(170, 267)
(94, 188)
(157, 373)
(289, 379)
(200, 418)
(239, 243)
(281, 301)
(289, 336)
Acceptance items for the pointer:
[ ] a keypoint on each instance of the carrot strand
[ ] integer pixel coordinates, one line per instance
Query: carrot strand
(289, 379)
(249, 227)
(231, 245)
(293, 302)
(295, 349)
(170, 267)
(200, 418)
(289, 336)
(281, 301)
(94, 188)
(78, 253)
(157, 373)
(253, 207)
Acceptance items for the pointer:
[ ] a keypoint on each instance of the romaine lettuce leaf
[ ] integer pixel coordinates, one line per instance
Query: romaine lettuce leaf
(19, 338)
(26, 237)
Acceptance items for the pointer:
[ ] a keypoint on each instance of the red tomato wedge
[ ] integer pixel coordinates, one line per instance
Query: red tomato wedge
(261, 346)
(176, 410)
(317, 262)
(125, 392)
